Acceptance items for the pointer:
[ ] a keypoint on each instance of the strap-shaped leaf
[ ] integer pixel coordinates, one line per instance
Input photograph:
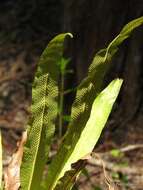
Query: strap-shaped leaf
(0, 161)
(83, 141)
(86, 93)
(91, 85)
(44, 112)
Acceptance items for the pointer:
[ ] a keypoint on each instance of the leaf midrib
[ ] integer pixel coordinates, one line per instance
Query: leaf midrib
(42, 119)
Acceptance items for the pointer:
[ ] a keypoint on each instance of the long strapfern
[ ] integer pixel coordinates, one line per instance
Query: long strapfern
(44, 111)
(88, 117)
(86, 94)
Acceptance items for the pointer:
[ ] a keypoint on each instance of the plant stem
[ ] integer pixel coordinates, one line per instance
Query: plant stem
(61, 104)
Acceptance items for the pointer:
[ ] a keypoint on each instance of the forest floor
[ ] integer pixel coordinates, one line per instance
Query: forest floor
(122, 162)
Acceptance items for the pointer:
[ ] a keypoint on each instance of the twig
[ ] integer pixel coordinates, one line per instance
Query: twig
(131, 147)
(112, 167)
(124, 149)
(109, 181)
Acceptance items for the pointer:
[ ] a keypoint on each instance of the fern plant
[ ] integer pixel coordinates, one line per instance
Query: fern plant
(89, 114)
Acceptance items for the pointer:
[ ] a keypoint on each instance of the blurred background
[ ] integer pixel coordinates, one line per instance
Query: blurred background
(25, 29)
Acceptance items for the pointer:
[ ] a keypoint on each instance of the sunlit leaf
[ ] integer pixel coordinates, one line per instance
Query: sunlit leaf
(82, 141)
(86, 94)
(44, 111)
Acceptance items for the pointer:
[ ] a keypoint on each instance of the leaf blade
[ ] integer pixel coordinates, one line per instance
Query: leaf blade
(86, 93)
(83, 141)
(1, 160)
(44, 112)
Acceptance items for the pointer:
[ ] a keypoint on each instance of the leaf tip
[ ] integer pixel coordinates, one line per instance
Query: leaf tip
(69, 34)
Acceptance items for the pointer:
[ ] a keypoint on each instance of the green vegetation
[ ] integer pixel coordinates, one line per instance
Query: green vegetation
(89, 113)
(0, 161)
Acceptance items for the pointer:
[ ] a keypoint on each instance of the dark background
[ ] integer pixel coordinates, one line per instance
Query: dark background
(27, 26)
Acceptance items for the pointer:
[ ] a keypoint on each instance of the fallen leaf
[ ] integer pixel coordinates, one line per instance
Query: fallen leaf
(12, 173)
